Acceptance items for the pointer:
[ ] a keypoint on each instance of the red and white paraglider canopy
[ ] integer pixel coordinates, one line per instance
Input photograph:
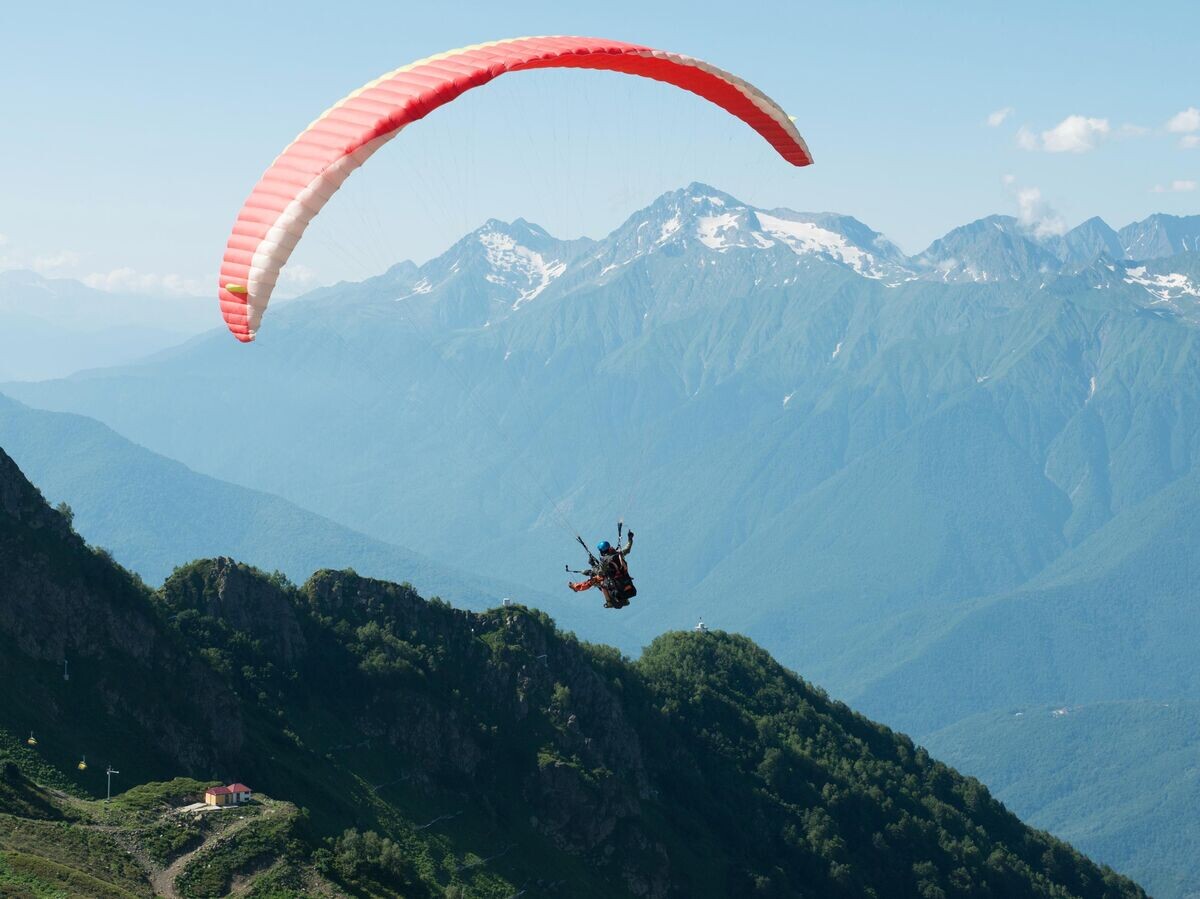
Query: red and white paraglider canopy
(306, 174)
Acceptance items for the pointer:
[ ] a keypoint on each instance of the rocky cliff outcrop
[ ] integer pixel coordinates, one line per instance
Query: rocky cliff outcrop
(61, 600)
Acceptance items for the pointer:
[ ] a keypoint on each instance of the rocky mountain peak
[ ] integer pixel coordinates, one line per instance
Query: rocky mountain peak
(240, 595)
(994, 248)
(502, 266)
(1088, 242)
(700, 218)
(1161, 235)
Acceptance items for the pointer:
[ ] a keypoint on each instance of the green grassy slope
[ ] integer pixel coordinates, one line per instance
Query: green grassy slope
(143, 843)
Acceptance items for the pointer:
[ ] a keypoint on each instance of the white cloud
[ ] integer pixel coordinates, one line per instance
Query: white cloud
(296, 279)
(293, 280)
(1178, 186)
(1075, 134)
(1184, 122)
(996, 119)
(1190, 142)
(127, 280)
(1038, 216)
(1034, 213)
(1131, 130)
(57, 263)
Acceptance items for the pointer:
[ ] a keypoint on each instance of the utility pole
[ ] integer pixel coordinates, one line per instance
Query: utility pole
(110, 772)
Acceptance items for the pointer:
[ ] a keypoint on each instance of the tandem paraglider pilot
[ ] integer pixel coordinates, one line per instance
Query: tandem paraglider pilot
(609, 572)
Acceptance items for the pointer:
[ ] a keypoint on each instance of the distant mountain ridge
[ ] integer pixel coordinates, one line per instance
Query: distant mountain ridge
(519, 261)
(1000, 248)
(524, 261)
(1161, 235)
(994, 248)
(51, 327)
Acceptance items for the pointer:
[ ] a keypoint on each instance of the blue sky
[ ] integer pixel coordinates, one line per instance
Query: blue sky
(133, 132)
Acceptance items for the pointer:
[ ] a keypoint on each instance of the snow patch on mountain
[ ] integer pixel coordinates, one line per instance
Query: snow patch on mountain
(421, 287)
(712, 230)
(513, 265)
(1166, 287)
(808, 238)
(669, 227)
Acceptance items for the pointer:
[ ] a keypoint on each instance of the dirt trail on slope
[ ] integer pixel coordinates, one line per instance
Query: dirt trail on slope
(163, 882)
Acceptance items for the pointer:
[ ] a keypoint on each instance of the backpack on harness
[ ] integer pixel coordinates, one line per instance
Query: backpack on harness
(616, 583)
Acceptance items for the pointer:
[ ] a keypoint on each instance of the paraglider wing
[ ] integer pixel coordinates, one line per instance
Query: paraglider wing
(303, 178)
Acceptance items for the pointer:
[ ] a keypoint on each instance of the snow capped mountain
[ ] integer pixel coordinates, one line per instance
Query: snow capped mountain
(492, 272)
(500, 268)
(700, 216)
(697, 216)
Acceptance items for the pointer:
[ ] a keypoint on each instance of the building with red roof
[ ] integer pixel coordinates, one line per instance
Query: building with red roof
(234, 794)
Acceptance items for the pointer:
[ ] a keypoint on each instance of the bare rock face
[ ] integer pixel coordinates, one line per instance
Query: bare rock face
(23, 504)
(245, 600)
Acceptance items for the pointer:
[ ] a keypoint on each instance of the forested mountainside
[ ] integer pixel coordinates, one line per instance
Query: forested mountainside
(411, 748)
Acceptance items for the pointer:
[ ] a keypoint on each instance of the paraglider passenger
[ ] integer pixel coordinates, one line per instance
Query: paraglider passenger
(610, 573)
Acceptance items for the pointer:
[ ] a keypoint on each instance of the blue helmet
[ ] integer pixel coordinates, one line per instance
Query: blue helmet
(604, 546)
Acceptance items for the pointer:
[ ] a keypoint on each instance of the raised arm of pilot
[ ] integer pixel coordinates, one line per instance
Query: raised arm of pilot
(628, 545)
